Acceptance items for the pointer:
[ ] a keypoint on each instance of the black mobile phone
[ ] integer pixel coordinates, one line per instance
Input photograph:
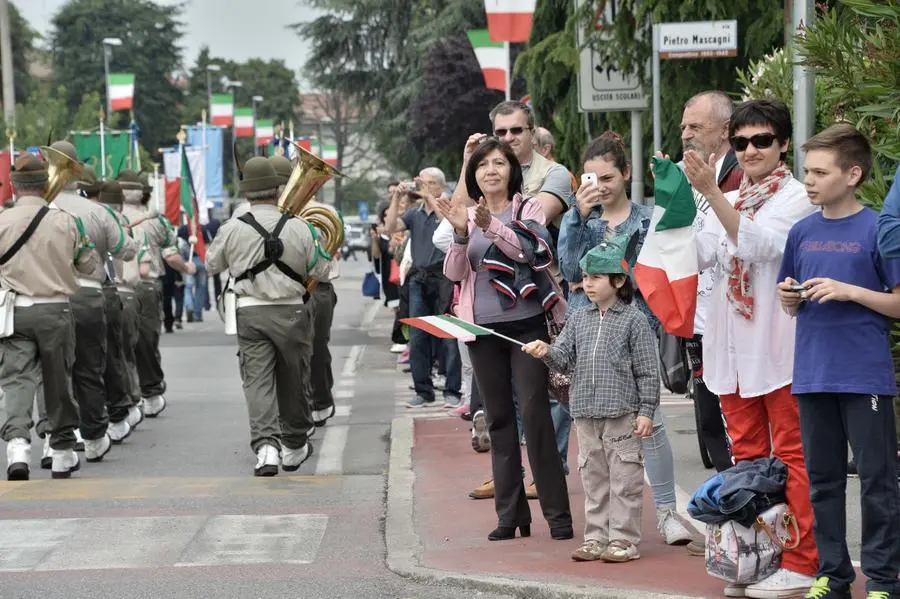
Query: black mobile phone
(798, 288)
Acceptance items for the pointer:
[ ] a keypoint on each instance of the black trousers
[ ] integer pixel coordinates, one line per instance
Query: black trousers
(828, 421)
(88, 383)
(321, 376)
(173, 295)
(116, 375)
(708, 410)
(499, 368)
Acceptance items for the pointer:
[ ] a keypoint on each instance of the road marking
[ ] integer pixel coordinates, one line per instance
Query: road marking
(346, 383)
(342, 411)
(352, 361)
(344, 394)
(331, 451)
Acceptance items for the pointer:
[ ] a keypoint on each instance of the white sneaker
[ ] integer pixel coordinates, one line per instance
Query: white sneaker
(320, 417)
(153, 406)
(619, 551)
(96, 449)
(79, 440)
(65, 462)
(780, 585)
(135, 417)
(118, 431)
(398, 348)
(18, 459)
(291, 459)
(46, 457)
(267, 461)
(736, 590)
(673, 527)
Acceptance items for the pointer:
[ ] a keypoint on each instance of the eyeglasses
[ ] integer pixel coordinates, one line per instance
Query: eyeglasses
(514, 130)
(760, 141)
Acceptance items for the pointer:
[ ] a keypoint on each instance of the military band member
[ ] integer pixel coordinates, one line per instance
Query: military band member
(157, 238)
(269, 255)
(40, 250)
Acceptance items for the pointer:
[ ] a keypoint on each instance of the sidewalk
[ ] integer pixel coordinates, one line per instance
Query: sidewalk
(432, 470)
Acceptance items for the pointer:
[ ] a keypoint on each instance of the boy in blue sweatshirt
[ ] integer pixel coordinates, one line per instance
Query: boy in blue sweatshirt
(843, 293)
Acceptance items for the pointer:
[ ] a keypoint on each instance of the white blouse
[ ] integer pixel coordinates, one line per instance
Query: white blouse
(754, 356)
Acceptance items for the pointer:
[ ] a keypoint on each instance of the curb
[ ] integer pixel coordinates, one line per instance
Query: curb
(404, 546)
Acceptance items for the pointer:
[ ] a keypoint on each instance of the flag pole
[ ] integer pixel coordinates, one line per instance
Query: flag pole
(11, 135)
(102, 147)
(131, 139)
(507, 74)
(156, 187)
(181, 160)
(510, 339)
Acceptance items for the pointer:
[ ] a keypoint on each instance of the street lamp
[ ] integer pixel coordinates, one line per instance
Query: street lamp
(233, 85)
(108, 43)
(256, 100)
(210, 69)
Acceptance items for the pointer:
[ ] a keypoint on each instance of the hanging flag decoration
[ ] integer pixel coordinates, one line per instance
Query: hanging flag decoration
(492, 56)
(243, 122)
(329, 154)
(121, 91)
(265, 131)
(666, 270)
(221, 111)
(509, 20)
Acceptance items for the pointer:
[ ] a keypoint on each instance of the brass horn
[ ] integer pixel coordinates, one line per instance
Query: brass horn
(61, 171)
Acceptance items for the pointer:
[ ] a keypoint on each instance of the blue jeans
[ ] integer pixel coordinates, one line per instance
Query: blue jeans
(423, 301)
(562, 426)
(196, 288)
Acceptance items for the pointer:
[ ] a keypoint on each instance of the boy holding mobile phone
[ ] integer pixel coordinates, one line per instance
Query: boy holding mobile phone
(843, 293)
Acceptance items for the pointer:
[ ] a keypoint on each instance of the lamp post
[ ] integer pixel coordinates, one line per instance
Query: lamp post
(232, 86)
(256, 100)
(108, 43)
(210, 69)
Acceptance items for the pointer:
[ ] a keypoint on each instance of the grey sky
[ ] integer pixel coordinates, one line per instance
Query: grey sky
(233, 29)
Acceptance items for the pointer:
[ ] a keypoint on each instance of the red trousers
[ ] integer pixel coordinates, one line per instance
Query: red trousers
(749, 420)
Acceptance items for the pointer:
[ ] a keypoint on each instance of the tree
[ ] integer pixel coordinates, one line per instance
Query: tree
(150, 34)
(22, 38)
(87, 115)
(42, 116)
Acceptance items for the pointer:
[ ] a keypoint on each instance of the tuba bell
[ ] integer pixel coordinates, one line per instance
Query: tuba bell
(61, 171)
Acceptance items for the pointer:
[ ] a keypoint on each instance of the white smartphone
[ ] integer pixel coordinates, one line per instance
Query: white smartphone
(589, 178)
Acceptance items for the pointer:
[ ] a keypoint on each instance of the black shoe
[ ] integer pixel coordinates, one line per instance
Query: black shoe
(178, 325)
(169, 330)
(562, 533)
(504, 533)
(17, 471)
(190, 317)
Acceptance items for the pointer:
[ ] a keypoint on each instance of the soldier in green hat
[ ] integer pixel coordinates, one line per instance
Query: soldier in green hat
(42, 253)
(270, 254)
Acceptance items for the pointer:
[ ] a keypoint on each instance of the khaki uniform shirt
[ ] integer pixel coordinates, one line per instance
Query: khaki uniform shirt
(238, 247)
(127, 271)
(103, 229)
(46, 265)
(240, 209)
(156, 236)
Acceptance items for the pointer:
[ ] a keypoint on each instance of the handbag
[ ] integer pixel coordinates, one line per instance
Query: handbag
(394, 277)
(557, 382)
(371, 287)
(673, 369)
(742, 555)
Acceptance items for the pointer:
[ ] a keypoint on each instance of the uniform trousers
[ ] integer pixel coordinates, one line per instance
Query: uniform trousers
(147, 356)
(88, 372)
(321, 377)
(131, 319)
(117, 376)
(274, 349)
(42, 348)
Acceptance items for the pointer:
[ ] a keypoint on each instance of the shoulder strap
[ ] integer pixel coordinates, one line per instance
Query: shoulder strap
(26, 235)
(249, 219)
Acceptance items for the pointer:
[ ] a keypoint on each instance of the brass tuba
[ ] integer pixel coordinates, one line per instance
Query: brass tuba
(61, 171)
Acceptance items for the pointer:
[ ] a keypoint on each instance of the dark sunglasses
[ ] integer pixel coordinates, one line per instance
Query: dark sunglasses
(513, 130)
(760, 141)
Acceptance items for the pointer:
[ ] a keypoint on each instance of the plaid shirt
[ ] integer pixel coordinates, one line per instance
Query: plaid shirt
(615, 360)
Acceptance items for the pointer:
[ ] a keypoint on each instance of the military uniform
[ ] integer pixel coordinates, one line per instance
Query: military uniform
(273, 321)
(38, 279)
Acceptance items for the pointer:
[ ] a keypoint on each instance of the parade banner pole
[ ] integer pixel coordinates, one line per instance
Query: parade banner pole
(181, 158)
(205, 155)
(131, 140)
(508, 70)
(11, 135)
(156, 187)
(102, 147)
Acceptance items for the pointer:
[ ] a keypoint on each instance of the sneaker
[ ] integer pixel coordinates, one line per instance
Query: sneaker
(153, 406)
(135, 416)
(320, 417)
(439, 381)
(485, 491)
(673, 527)
(65, 462)
(118, 431)
(735, 589)
(783, 583)
(95, 449)
(267, 461)
(620, 551)
(292, 459)
(398, 348)
(419, 402)
(481, 439)
(452, 401)
(18, 459)
(404, 358)
(821, 590)
(590, 551)
(696, 548)
(46, 456)
(79, 441)
(879, 595)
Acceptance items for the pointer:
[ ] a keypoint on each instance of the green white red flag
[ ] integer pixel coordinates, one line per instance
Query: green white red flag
(265, 132)
(666, 271)
(181, 199)
(121, 91)
(243, 122)
(492, 57)
(509, 20)
(221, 112)
(447, 327)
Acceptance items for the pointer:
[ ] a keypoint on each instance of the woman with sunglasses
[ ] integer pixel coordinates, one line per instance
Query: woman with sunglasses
(748, 348)
(482, 236)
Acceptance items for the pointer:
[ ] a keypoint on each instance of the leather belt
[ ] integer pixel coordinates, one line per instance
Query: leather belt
(247, 301)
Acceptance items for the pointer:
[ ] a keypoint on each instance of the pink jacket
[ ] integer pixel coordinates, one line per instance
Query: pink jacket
(458, 269)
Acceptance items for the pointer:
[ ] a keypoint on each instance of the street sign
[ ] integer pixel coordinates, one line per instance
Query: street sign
(34, 151)
(601, 86)
(363, 210)
(698, 39)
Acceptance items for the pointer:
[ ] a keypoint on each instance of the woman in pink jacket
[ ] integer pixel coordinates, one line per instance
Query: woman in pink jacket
(493, 179)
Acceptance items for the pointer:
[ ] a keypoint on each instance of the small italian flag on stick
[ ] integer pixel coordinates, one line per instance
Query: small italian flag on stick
(450, 327)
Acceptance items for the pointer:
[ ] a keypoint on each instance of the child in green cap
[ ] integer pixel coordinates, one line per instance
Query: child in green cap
(615, 391)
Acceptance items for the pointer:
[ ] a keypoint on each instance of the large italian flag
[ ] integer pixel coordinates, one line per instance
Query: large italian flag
(666, 269)
(121, 91)
(243, 122)
(509, 20)
(181, 198)
(493, 58)
(221, 111)
(265, 132)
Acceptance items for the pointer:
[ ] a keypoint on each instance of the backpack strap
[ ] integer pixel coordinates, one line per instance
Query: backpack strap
(26, 235)
(266, 262)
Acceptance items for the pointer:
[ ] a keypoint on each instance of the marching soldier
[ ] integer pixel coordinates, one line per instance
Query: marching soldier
(322, 302)
(269, 254)
(40, 250)
(158, 240)
(99, 425)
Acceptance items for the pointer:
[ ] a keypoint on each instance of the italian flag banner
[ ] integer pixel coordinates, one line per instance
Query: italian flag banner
(243, 122)
(221, 111)
(450, 327)
(493, 58)
(329, 154)
(666, 271)
(121, 91)
(180, 197)
(509, 20)
(265, 132)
